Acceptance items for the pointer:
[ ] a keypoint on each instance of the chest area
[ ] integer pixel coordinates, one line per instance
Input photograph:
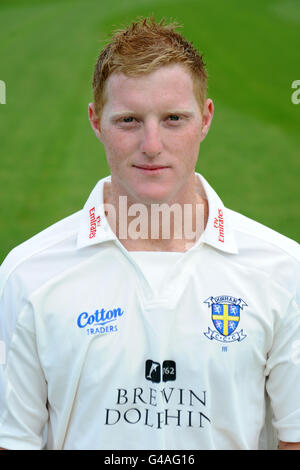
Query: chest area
(201, 308)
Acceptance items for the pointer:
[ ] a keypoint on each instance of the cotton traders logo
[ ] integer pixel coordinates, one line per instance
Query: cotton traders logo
(225, 315)
(101, 322)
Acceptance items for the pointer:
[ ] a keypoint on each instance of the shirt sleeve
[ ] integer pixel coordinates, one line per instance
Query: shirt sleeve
(23, 388)
(283, 374)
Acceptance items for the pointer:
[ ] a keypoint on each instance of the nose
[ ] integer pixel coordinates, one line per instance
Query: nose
(151, 144)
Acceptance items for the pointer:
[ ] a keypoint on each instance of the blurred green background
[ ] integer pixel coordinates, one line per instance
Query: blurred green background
(50, 159)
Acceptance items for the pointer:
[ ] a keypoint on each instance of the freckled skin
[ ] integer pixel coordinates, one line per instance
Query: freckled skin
(160, 124)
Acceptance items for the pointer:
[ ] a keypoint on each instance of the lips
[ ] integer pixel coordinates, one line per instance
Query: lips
(150, 167)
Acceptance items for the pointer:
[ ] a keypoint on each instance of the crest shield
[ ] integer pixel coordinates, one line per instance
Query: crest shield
(225, 317)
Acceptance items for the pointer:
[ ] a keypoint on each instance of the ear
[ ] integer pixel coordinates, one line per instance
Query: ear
(94, 121)
(207, 116)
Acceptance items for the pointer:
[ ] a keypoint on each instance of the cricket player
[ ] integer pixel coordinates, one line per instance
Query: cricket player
(155, 317)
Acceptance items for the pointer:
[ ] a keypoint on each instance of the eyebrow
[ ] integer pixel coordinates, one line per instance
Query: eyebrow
(120, 114)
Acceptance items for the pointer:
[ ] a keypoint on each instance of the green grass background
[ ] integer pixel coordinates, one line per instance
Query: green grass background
(49, 157)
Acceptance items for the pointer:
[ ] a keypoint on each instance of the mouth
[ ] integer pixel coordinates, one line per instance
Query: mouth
(151, 168)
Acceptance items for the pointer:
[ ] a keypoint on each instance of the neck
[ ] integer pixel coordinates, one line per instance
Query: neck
(172, 226)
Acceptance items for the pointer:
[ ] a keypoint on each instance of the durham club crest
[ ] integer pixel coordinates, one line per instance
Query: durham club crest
(225, 315)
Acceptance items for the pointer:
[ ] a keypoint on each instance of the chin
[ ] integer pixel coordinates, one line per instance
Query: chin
(151, 192)
(156, 198)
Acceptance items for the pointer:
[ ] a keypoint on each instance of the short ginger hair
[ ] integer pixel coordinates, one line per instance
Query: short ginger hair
(142, 47)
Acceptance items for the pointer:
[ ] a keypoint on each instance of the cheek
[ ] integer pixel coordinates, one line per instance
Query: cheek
(187, 143)
(117, 146)
(188, 137)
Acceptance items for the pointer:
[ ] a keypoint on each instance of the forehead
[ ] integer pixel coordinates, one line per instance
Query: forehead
(169, 85)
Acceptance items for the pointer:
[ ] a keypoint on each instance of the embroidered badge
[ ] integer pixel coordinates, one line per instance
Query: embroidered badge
(225, 315)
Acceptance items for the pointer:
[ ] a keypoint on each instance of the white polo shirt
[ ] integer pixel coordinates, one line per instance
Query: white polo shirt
(108, 356)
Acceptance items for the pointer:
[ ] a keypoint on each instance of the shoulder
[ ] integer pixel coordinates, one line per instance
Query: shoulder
(33, 257)
(264, 249)
(254, 235)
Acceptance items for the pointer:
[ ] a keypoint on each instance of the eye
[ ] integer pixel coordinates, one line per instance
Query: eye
(174, 120)
(128, 119)
(174, 117)
(127, 122)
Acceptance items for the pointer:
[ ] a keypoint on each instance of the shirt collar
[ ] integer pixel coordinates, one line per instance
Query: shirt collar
(94, 227)
(219, 231)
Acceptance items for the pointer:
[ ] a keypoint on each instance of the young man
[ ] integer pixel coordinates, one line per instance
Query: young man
(120, 341)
